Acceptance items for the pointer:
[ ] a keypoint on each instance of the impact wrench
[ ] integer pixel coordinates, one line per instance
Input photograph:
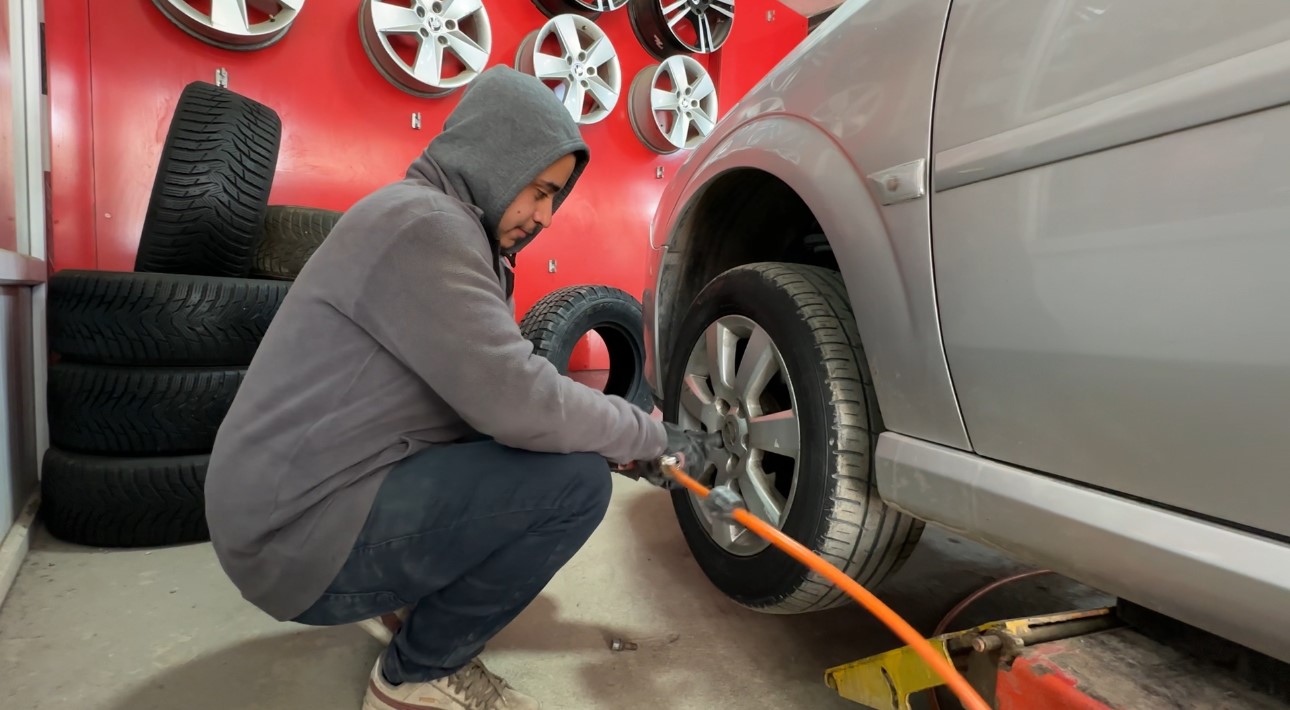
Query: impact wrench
(729, 505)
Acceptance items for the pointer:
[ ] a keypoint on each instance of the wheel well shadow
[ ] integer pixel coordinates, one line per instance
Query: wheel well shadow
(742, 217)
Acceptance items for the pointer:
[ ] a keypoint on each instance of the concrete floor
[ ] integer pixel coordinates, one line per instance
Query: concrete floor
(163, 629)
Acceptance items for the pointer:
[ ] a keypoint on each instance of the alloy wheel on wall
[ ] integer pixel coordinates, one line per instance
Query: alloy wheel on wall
(665, 27)
(573, 56)
(673, 105)
(590, 9)
(240, 25)
(428, 48)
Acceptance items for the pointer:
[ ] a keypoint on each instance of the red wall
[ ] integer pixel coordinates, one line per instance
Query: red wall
(117, 68)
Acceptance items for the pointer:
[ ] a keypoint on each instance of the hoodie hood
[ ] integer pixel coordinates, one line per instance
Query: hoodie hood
(507, 129)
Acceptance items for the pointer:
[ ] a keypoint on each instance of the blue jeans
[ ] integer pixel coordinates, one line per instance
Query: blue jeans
(465, 536)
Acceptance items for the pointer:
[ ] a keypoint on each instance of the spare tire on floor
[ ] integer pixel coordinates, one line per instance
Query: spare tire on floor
(212, 185)
(124, 502)
(125, 318)
(290, 237)
(557, 322)
(138, 411)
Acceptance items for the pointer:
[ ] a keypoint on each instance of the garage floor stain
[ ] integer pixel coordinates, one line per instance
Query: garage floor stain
(163, 629)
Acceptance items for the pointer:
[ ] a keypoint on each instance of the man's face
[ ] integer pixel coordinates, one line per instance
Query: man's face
(532, 207)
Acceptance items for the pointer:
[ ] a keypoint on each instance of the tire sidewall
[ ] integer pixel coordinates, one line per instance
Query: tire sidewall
(769, 576)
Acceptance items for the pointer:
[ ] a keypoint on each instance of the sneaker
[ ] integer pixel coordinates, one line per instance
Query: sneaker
(385, 626)
(471, 688)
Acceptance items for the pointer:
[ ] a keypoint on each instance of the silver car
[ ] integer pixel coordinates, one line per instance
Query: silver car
(1019, 269)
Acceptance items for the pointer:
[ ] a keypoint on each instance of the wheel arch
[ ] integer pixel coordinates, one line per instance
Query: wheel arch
(754, 197)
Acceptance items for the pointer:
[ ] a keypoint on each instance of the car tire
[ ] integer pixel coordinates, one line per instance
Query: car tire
(212, 185)
(126, 318)
(557, 322)
(830, 501)
(123, 502)
(138, 411)
(290, 237)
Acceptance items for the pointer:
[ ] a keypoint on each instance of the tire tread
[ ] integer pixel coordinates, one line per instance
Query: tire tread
(291, 235)
(124, 502)
(135, 411)
(885, 538)
(125, 318)
(212, 185)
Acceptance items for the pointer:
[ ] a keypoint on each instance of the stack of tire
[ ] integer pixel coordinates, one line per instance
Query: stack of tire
(146, 363)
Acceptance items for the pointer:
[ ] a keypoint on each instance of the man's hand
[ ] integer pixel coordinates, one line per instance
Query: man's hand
(691, 449)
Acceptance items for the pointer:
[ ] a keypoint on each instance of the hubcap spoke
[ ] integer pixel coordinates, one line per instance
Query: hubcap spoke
(725, 468)
(230, 16)
(723, 533)
(759, 494)
(549, 67)
(720, 343)
(702, 88)
(702, 122)
(699, 404)
(288, 4)
(567, 32)
(600, 52)
(680, 131)
(394, 19)
(676, 12)
(758, 366)
(429, 64)
(675, 69)
(664, 100)
(470, 54)
(574, 99)
(777, 433)
(604, 95)
(704, 27)
(458, 9)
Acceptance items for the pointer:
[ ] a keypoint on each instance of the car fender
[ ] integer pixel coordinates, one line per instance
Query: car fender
(887, 275)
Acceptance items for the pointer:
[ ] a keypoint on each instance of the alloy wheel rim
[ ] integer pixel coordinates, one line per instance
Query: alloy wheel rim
(665, 27)
(584, 71)
(673, 105)
(452, 41)
(736, 383)
(243, 25)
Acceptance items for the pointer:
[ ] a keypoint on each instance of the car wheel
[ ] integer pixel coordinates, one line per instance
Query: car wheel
(770, 356)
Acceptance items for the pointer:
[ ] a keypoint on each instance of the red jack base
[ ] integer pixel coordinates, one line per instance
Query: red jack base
(1119, 669)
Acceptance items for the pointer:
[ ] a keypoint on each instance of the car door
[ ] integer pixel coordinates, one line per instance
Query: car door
(1111, 236)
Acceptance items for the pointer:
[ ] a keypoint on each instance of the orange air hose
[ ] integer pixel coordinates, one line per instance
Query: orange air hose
(953, 679)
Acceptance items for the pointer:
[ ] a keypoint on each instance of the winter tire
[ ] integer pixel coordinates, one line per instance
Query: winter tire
(769, 355)
(290, 237)
(123, 318)
(138, 411)
(124, 502)
(212, 185)
(557, 322)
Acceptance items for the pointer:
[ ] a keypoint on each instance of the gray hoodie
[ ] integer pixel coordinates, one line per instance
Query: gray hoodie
(399, 335)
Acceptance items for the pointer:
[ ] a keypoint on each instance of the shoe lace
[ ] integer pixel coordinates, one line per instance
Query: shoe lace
(479, 686)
